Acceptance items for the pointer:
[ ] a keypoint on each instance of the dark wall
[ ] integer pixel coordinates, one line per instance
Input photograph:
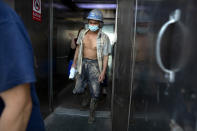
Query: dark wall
(39, 34)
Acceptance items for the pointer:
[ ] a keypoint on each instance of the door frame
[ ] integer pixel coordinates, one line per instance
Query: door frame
(123, 66)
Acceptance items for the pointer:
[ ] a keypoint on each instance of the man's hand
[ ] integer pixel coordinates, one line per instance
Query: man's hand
(101, 77)
(74, 65)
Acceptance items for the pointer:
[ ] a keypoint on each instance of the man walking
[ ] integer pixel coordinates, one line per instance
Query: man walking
(91, 58)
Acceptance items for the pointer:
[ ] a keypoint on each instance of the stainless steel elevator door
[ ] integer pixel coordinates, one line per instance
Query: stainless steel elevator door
(164, 66)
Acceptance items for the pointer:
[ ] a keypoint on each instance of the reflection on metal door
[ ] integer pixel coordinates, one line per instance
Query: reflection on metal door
(164, 98)
(50, 93)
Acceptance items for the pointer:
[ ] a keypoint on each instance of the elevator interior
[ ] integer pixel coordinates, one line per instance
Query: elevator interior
(68, 18)
(153, 87)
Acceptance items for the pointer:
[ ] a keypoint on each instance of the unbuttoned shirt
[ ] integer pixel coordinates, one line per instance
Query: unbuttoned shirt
(103, 48)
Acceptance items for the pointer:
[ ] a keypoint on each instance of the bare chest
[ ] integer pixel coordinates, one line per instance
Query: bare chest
(90, 42)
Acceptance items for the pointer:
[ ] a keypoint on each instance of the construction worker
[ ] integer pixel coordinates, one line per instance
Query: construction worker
(91, 58)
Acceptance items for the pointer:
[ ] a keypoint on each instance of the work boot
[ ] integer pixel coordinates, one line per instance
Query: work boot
(92, 111)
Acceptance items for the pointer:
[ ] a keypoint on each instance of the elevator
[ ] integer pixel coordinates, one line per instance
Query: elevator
(151, 72)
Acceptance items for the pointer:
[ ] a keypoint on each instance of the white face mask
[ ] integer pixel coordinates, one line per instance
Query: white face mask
(93, 27)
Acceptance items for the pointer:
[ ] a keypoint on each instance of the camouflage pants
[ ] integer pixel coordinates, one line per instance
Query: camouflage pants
(89, 76)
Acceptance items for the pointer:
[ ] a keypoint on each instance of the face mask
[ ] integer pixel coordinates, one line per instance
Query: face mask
(93, 27)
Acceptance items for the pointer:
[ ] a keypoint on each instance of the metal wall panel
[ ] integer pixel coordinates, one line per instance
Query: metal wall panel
(39, 35)
(161, 100)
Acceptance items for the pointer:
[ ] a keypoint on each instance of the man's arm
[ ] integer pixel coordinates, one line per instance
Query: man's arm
(18, 107)
(72, 45)
(75, 57)
(105, 62)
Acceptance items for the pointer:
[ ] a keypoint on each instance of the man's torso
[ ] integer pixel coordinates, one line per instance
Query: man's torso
(90, 46)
